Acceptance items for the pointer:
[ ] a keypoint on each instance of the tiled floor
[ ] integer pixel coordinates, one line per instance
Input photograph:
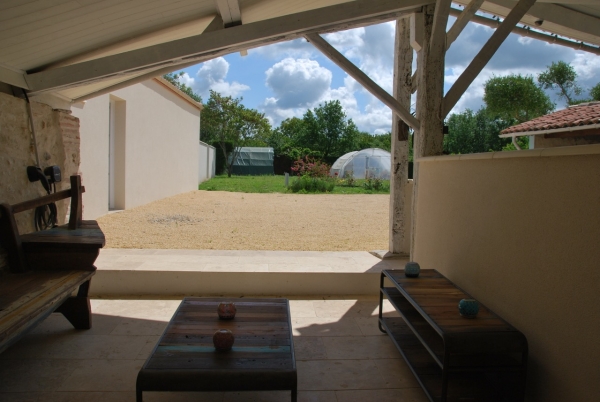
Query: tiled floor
(341, 356)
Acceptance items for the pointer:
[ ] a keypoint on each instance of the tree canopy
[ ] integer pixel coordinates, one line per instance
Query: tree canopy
(173, 78)
(515, 97)
(471, 132)
(561, 76)
(328, 130)
(230, 125)
(595, 92)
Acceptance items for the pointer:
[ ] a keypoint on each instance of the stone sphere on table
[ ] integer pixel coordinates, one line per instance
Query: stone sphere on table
(223, 340)
(226, 310)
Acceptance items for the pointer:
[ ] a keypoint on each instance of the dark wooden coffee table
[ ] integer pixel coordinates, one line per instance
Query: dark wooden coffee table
(262, 357)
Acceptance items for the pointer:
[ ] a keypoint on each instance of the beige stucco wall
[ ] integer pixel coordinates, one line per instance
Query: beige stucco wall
(159, 146)
(521, 235)
(57, 134)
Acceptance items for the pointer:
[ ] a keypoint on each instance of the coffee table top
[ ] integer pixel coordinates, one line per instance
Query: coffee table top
(185, 358)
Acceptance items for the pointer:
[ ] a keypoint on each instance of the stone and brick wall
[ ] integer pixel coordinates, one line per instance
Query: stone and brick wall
(57, 134)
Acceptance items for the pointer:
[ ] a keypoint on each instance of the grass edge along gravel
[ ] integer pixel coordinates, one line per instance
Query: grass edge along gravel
(276, 184)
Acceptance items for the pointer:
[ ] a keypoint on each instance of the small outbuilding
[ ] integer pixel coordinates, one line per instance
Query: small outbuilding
(370, 162)
(575, 125)
(254, 161)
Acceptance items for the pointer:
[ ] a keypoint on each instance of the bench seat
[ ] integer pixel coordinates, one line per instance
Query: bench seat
(28, 298)
(47, 267)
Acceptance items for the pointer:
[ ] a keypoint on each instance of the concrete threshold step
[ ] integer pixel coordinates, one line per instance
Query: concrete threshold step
(129, 272)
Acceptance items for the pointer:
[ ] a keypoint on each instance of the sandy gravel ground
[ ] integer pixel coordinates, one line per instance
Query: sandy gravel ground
(238, 221)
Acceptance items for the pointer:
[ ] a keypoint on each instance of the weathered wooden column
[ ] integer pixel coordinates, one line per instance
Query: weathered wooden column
(399, 243)
(428, 140)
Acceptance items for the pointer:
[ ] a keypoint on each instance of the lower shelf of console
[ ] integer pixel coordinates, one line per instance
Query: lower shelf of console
(463, 384)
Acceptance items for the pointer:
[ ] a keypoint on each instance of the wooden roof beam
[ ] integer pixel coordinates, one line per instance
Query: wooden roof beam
(230, 12)
(363, 79)
(554, 15)
(214, 44)
(13, 77)
(485, 54)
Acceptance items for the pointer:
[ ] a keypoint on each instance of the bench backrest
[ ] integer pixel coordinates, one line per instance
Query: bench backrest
(9, 232)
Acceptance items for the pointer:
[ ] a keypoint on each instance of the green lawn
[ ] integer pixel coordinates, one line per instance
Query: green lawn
(276, 184)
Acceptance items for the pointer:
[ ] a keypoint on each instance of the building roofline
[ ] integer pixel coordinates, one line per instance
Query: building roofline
(550, 131)
(179, 92)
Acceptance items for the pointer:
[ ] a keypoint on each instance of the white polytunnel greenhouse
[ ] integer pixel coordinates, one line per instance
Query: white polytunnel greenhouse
(337, 165)
(368, 163)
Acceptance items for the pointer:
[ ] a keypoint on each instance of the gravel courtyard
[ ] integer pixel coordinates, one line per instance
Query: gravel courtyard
(241, 221)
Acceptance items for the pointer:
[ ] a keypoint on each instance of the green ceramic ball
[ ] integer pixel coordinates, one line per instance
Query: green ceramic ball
(412, 269)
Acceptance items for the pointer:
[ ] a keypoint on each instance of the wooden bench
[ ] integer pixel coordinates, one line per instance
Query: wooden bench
(47, 267)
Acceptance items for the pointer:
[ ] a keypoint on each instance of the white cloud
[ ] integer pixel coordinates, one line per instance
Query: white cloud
(211, 75)
(300, 83)
(587, 66)
(297, 82)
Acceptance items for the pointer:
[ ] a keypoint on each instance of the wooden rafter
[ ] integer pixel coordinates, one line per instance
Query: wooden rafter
(230, 12)
(485, 54)
(461, 21)
(362, 79)
(214, 44)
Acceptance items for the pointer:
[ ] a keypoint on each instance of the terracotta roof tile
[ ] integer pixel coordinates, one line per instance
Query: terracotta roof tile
(573, 116)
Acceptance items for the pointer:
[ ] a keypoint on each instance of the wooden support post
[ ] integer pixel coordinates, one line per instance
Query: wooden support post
(428, 140)
(76, 203)
(403, 56)
(456, 29)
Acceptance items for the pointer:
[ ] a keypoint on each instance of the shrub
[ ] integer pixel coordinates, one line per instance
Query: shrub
(348, 180)
(374, 183)
(307, 184)
(311, 167)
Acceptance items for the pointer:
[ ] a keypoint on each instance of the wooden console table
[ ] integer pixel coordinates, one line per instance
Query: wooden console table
(454, 358)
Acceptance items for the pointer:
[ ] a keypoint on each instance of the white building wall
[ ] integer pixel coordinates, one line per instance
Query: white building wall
(159, 146)
(93, 128)
(206, 163)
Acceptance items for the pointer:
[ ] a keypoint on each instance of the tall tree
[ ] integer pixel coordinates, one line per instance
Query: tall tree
(383, 141)
(471, 132)
(561, 76)
(174, 78)
(328, 130)
(286, 136)
(515, 97)
(229, 124)
(595, 92)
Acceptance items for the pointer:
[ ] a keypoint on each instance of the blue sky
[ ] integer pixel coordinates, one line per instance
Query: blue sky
(285, 79)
